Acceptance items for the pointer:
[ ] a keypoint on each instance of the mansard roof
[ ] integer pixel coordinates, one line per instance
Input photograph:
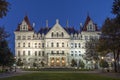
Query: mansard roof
(71, 30)
(44, 30)
(30, 28)
(88, 19)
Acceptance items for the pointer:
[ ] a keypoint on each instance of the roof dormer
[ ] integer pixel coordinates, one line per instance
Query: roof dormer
(25, 25)
(89, 25)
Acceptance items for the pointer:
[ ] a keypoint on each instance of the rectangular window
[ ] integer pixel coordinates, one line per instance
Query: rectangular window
(29, 37)
(24, 37)
(43, 53)
(62, 52)
(79, 45)
(72, 45)
(23, 44)
(18, 37)
(57, 44)
(23, 53)
(39, 45)
(52, 52)
(62, 44)
(75, 45)
(39, 53)
(28, 44)
(86, 37)
(43, 45)
(18, 44)
(18, 53)
(52, 45)
(35, 53)
(28, 53)
(71, 54)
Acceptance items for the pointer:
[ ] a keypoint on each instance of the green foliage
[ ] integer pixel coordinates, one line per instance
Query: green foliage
(81, 64)
(116, 7)
(104, 64)
(91, 52)
(73, 63)
(6, 56)
(19, 62)
(4, 6)
(34, 64)
(42, 63)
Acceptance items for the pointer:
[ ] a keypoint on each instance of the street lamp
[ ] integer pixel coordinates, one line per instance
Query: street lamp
(102, 57)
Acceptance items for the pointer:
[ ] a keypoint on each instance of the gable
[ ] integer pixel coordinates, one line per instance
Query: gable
(25, 25)
(57, 31)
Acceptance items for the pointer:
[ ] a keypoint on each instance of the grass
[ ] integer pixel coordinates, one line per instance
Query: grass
(59, 76)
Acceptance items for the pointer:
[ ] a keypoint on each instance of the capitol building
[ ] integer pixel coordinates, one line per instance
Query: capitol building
(54, 46)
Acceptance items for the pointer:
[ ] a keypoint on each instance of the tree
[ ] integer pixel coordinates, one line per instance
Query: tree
(91, 52)
(34, 64)
(4, 7)
(73, 63)
(116, 9)
(104, 64)
(110, 40)
(81, 64)
(6, 56)
(42, 63)
(19, 62)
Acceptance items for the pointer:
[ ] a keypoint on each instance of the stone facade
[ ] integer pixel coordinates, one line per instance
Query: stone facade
(54, 46)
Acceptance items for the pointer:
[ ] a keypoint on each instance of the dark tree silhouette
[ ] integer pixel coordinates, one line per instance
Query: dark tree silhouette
(4, 7)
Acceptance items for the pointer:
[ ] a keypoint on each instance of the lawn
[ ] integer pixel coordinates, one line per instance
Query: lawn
(59, 76)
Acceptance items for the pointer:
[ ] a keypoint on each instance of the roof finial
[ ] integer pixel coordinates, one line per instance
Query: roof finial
(46, 23)
(57, 21)
(67, 24)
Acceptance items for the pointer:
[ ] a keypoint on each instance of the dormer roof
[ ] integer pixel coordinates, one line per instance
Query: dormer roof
(30, 28)
(88, 19)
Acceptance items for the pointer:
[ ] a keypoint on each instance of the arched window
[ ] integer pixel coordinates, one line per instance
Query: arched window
(62, 34)
(52, 34)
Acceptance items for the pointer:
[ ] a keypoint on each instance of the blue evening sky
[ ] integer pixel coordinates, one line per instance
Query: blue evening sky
(38, 11)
